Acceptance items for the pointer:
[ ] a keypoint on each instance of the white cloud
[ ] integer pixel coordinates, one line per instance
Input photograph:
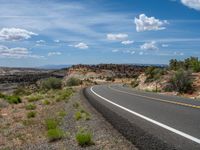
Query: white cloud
(54, 53)
(133, 52)
(141, 53)
(114, 37)
(178, 53)
(40, 41)
(127, 42)
(115, 50)
(57, 41)
(195, 4)
(15, 34)
(144, 23)
(17, 52)
(149, 46)
(81, 46)
(165, 45)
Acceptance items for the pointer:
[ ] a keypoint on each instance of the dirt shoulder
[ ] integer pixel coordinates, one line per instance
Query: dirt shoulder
(18, 134)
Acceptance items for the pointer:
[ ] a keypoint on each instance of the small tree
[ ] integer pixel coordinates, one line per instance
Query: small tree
(73, 82)
(51, 83)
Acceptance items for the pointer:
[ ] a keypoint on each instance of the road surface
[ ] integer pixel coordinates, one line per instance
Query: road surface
(149, 120)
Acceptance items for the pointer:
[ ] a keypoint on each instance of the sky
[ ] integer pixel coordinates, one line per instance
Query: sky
(42, 32)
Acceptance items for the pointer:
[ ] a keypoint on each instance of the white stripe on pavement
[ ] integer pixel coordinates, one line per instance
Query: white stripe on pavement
(149, 119)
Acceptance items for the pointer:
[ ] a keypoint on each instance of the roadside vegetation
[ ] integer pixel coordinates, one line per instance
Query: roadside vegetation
(177, 77)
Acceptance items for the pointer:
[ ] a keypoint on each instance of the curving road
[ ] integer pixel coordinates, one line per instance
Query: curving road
(149, 120)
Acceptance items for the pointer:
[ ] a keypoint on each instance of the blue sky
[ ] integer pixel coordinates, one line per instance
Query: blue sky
(41, 32)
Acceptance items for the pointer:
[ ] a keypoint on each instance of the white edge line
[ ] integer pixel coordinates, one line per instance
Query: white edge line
(149, 119)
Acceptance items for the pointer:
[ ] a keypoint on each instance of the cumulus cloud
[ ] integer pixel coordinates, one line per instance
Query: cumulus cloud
(144, 23)
(149, 46)
(17, 52)
(195, 4)
(127, 42)
(15, 34)
(119, 37)
(54, 53)
(81, 46)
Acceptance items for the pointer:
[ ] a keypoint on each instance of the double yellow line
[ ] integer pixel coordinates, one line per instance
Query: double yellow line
(158, 99)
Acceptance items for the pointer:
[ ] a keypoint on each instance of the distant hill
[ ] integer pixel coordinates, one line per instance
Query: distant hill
(54, 66)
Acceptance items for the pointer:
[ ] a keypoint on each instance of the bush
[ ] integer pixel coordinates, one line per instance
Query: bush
(51, 83)
(51, 123)
(31, 114)
(153, 73)
(21, 91)
(73, 82)
(110, 79)
(134, 83)
(55, 134)
(181, 81)
(84, 138)
(46, 102)
(64, 94)
(12, 99)
(62, 114)
(78, 115)
(76, 105)
(30, 107)
(35, 97)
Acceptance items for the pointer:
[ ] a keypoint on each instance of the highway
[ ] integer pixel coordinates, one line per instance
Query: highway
(149, 120)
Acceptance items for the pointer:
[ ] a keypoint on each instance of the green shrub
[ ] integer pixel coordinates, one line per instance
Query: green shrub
(31, 114)
(134, 83)
(51, 83)
(84, 138)
(64, 94)
(73, 82)
(76, 105)
(46, 102)
(2, 95)
(78, 115)
(21, 91)
(51, 123)
(154, 73)
(30, 107)
(55, 134)
(181, 81)
(12, 99)
(62, 114)
(35, 97)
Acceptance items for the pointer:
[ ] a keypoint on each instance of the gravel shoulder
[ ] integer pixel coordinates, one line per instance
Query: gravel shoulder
(104, 136)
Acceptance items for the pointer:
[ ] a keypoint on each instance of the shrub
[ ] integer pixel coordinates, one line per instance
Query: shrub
(51, 123)
(181, 81)
(30, 107)
(110, 79)
(62, 113)
(64, 94)
(78, 115)
(51, 83)
(35, 97)
(134, 83)
(46, 102)
(31, 114)
(153, 73)
(2, 95)
(21, 91)
(12, 99)
(55, 134)
(73, 82)
(84, 138)
(76, 105)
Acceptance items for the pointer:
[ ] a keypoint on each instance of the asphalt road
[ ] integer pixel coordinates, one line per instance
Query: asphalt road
(149, 120)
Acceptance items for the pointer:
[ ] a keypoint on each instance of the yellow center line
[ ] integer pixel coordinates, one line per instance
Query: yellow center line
(157, 99)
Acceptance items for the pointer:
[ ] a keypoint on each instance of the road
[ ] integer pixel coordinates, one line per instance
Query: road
(149, 120)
